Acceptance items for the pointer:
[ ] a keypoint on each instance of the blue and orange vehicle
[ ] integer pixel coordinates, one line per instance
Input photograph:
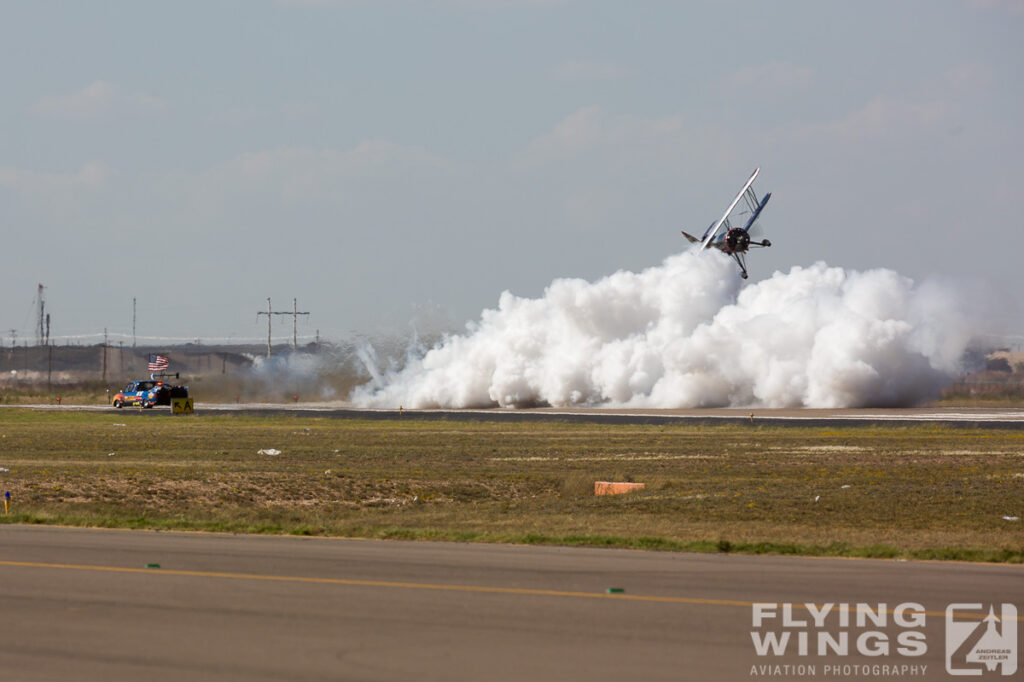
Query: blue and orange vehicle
(148, 393)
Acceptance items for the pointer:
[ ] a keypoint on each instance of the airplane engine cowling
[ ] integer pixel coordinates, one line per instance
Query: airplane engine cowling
(737, 240)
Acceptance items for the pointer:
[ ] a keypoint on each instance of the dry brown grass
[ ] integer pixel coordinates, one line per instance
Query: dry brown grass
(915, 490)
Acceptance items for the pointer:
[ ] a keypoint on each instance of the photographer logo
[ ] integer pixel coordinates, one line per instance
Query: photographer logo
(973, 646)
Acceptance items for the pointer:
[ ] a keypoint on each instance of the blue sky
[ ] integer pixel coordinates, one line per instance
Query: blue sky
(392, 162)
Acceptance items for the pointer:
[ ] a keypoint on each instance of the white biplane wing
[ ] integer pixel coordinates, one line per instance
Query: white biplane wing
(724, 220)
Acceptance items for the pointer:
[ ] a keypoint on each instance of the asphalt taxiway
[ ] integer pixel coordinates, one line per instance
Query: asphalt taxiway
(130, 605)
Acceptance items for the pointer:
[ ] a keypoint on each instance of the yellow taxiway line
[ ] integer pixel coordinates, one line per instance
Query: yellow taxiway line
(416, 586)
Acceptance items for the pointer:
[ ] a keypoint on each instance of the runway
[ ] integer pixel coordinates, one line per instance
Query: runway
(130, 605)
(986, 417)
(1012, 418)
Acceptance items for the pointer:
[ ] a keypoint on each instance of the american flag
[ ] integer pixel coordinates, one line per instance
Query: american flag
(158, 363)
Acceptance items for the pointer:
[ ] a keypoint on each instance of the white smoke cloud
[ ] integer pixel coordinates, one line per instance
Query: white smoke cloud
(686, 334)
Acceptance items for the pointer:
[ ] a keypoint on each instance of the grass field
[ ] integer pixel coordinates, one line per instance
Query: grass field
(913, 491)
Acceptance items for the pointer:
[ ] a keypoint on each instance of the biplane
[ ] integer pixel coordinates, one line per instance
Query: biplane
(736, 241)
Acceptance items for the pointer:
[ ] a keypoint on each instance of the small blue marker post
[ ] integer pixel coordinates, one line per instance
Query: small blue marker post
(7, 502)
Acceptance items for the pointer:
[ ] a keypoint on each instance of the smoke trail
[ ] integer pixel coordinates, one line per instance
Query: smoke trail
(685, 334)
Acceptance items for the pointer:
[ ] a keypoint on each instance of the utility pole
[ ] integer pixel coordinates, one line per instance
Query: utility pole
(49, 355)
(104, 355)
(295, 323)
(295, 316)
(42, 314)
(268, 314)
